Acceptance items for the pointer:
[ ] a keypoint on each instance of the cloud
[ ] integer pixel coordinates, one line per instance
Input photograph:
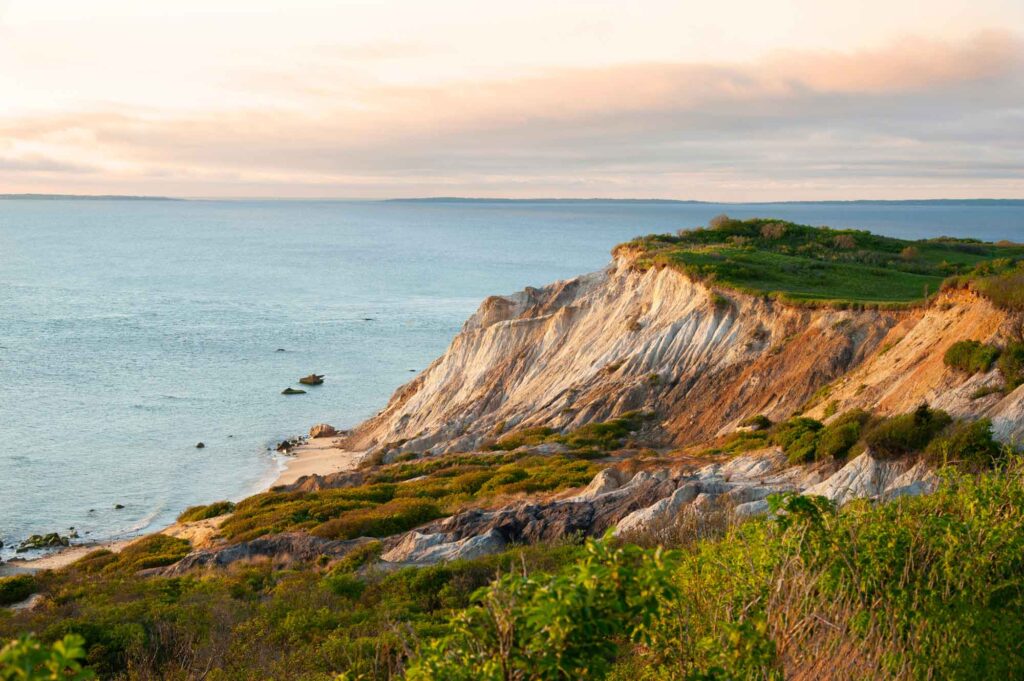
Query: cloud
(923, 111)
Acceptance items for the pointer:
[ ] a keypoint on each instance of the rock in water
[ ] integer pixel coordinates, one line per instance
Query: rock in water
(312, 379)
(292, 391)
(200, 445)
(323, 430)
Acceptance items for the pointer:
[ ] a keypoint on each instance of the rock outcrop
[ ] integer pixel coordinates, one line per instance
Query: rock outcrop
(650, 501)
(282, 549)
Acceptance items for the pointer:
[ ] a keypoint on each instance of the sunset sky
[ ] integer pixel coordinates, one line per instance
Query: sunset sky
(722, 100)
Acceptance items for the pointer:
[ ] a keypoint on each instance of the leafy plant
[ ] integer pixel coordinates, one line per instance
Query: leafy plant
(971, 356)
(906, 433)
(26, 659)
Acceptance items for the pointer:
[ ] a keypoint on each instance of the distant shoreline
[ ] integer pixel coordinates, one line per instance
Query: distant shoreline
(84, 197)
(541, 200)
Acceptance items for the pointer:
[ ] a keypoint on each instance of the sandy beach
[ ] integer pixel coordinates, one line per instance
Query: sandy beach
(320, 456)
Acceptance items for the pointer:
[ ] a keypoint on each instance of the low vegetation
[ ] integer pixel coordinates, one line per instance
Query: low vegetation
(194, 513)
(401, 496)
(842, 268)
(592, 439)
(16, 588)
(971, 356)
(925, 587)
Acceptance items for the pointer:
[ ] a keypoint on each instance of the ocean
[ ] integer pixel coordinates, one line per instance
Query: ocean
(131, 330)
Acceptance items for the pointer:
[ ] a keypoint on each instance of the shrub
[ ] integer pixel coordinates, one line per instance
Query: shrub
(844, 242)
(397, 515)
(798, 438)
(555, 627)
(968, 444)
(773, 230)
(523, 438)
(155, 550)
(906, 433)
(835, 440)
(757, 422)
(1006, 291)
(17, 588)
(194, 513)
(1011, 365)
(971, 356)
(26, 659)
(719, 221)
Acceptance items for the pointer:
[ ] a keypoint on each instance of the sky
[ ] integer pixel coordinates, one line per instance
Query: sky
(722, 100)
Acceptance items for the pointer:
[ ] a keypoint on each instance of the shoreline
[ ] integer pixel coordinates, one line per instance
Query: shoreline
(320, 456)
(316, 456)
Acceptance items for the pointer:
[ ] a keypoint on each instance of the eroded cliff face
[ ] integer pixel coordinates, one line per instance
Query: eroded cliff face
(591, 348)
(908, 369)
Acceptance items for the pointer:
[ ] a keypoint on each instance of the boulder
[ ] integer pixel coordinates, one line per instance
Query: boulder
(322, 430)
(200, 445)
(292, 391)
(420, 548)
(312, 379)
(659, 512)
(285, 549)
(863, 476)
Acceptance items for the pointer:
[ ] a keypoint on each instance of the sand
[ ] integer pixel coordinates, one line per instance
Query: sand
(59, 559)
(321, 457)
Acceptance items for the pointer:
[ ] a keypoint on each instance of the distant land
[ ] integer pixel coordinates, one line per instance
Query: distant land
(85, 197)
(878, 202)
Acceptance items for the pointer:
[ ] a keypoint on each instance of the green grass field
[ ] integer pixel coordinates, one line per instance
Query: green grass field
(817, 265)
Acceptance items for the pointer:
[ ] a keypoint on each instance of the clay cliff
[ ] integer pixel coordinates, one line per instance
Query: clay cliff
(701, 358)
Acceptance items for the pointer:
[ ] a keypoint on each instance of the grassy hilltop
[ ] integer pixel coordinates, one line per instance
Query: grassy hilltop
(818, 265)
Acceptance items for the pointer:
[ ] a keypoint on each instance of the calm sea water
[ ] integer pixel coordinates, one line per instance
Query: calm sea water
(130, 330)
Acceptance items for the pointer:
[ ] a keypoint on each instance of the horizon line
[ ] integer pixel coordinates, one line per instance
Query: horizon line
(485, 199)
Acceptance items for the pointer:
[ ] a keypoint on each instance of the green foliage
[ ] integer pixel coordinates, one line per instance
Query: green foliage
(16, 588)
(967, 444)
(906, 433)
(194, 513)
(554, 627)
(1011, 365)
(155, 550)
(971, 356)
(397, 515)
(839, 437)
(446, 484)
(259, 621)
(602, 437)
(820, 266)
(26, 659)
(1005, 290)
(798, 438)
(757, 422)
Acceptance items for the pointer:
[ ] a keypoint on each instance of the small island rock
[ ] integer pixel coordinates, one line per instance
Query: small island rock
(292, 391)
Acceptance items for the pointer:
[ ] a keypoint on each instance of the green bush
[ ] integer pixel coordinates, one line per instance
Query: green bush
(1011, 365)
(971, 356)
(906, 433)
(555, 627)
(757, 422)
(155, 550)
(837, 438)
(194, 513)
(16, 589)
(798, 438)
(968, 444)
(26, 659)
(397, 515)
